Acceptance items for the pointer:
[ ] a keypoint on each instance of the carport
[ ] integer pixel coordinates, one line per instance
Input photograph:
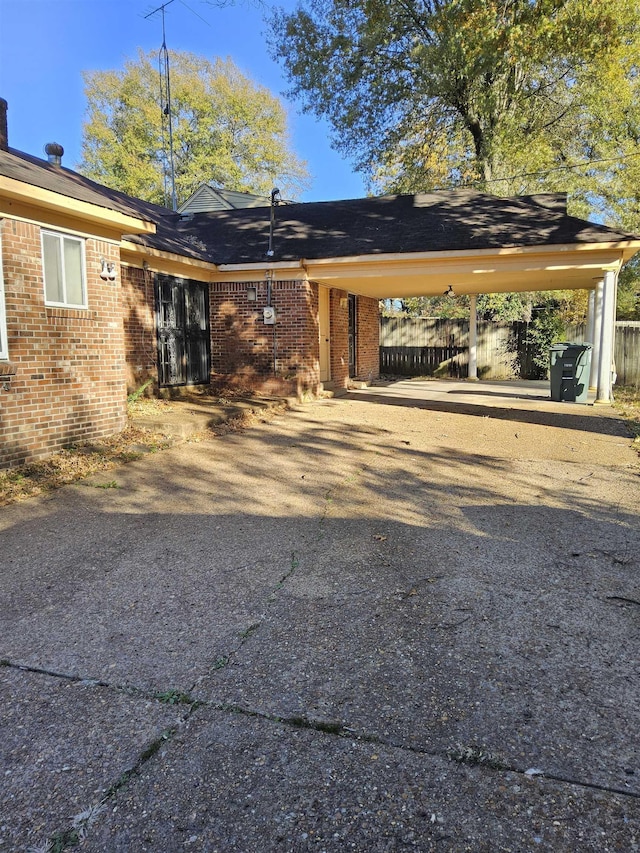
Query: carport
(425, 244)
(568, 267)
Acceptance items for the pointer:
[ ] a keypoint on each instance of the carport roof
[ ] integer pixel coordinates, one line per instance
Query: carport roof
(446, 220)
(408, 245)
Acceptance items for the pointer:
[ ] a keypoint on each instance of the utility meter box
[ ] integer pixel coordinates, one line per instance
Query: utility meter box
(269, 315)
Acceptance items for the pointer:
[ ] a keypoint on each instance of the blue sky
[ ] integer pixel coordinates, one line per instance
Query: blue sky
(45, 45)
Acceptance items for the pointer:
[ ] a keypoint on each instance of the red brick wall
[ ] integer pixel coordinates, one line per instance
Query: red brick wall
(283, 357)
(339, 318)
(69, 383)
(138, 311)
(367, 338)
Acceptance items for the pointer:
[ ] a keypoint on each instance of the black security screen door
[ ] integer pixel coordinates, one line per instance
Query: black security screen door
(182, 311)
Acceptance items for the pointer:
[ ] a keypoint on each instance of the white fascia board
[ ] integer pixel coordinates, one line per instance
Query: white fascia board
(135, 254)
(599, 257)
(262, 266)
(33, 196)
(625, 247)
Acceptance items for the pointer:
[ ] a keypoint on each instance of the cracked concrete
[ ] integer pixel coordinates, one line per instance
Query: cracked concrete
(392, 621)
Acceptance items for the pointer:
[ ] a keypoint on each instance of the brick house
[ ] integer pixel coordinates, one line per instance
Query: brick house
(100, 291)
(62, 375)
(89, 310)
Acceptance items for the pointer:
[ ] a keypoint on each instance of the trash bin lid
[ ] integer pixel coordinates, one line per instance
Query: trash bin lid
(565, 345)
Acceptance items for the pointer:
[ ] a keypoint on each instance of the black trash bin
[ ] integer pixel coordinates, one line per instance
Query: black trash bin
(570, 368)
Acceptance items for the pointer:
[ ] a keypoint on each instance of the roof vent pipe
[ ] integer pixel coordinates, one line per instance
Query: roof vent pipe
(275, 199)
(4, 133)
(54, 153)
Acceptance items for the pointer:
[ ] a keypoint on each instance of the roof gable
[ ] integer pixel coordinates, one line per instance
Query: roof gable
(208, 198)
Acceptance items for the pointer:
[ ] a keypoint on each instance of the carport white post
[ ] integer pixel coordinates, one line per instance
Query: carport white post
(473, 338)
(605, 360)
(594, 330)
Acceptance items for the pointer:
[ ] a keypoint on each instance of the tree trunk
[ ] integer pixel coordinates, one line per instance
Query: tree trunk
(484, 154)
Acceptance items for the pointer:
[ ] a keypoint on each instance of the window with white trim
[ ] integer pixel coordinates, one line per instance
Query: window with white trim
(64, 270)
(4, 345)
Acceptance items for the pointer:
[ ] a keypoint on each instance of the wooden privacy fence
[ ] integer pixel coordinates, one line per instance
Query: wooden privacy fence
(627, 353)
(448, 360)
(432, 347)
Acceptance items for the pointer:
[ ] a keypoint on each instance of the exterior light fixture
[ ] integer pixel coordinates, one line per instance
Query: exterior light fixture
(107, 270)
(252, 294)
(449, 291)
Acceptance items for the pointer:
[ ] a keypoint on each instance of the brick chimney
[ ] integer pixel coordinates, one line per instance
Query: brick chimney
(4, 134)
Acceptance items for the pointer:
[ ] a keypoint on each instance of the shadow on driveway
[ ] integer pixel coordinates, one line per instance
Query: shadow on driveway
(330, 632)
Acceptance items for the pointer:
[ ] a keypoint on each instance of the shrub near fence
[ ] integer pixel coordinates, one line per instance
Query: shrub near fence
(431, 347)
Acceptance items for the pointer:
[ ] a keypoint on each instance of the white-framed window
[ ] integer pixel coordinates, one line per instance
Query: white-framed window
(4, 344)
(64, 270)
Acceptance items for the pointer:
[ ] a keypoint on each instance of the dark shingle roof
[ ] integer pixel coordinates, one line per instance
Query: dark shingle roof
(439, 221)
(442, 221)
(40, 173)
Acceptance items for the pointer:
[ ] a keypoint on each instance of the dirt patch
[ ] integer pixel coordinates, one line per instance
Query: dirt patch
(84, 459)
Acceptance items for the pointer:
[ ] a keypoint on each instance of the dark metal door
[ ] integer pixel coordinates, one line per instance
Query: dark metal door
(352, 335)
(184, 350)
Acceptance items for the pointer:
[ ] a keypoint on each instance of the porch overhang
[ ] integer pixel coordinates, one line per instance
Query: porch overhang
(508, 270)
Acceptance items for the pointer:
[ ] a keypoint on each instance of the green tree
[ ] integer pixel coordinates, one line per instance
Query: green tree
(425, 93)
(628, 307)
(226, 130)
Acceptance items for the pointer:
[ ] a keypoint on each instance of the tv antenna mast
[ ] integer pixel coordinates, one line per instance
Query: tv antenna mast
(165, 107)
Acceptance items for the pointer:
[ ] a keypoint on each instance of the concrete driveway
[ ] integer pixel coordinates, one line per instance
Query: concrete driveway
(376, 623)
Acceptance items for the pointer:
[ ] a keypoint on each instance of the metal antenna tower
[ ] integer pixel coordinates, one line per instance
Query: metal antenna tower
(165, 107)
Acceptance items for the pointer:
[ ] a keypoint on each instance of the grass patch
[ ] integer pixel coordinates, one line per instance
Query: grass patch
(174, 697)
(627, 404)
(77, 462)
(249, 631)
(139, 392)
(329, 727)
(111, 484)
